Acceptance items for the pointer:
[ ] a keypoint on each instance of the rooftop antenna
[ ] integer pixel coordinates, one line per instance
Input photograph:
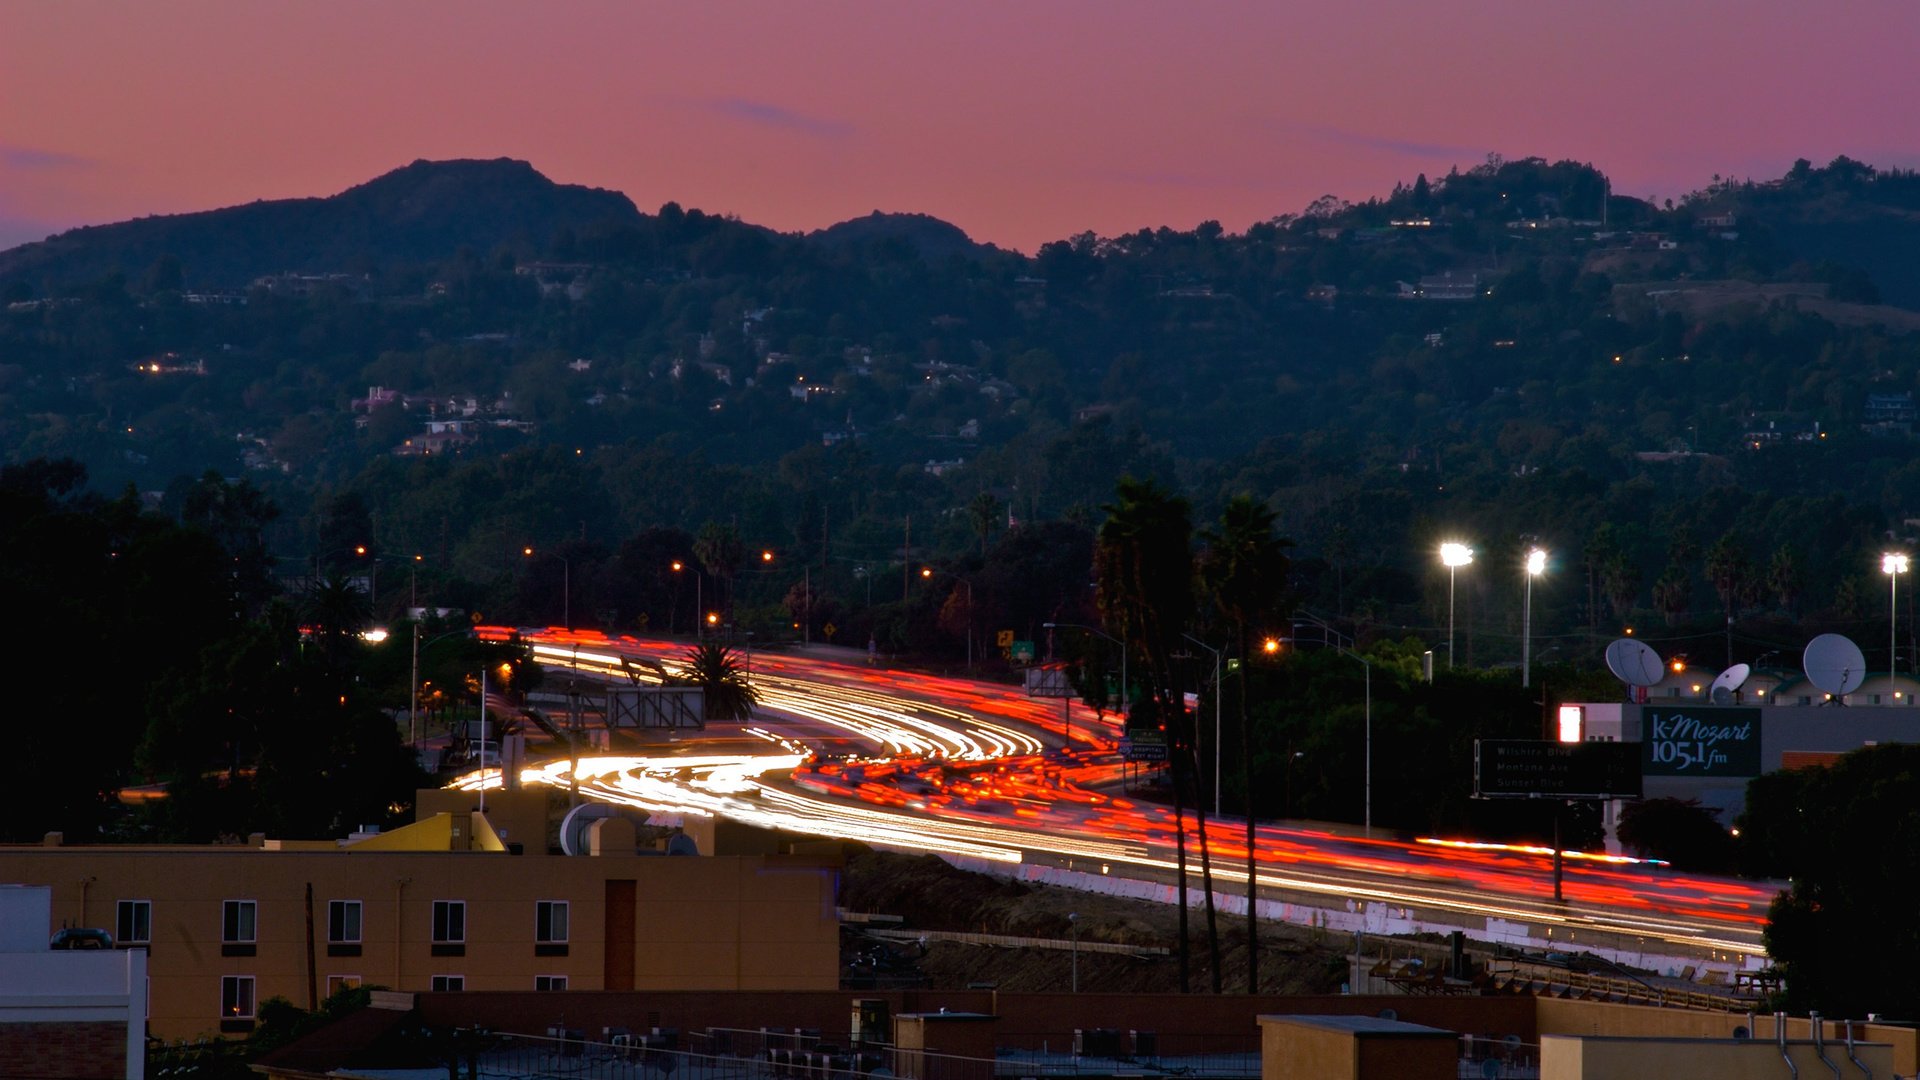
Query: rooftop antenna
(1835, 664)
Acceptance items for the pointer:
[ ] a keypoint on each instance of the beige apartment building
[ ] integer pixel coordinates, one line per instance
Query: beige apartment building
(441, 905)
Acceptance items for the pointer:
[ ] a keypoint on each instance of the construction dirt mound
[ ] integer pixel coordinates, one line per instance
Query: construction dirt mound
(957, 928)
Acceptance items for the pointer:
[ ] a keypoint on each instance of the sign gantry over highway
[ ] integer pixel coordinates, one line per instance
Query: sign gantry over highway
(1541, 769)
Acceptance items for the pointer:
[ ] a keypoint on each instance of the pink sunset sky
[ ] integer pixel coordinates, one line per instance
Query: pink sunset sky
(1021, 123)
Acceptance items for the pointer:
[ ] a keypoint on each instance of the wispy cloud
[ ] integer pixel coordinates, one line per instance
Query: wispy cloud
(1410, 148)
(1191, 181)
(30, 157)
(767, 114)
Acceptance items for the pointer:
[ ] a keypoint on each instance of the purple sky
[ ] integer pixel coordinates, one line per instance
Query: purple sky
(1021, 123)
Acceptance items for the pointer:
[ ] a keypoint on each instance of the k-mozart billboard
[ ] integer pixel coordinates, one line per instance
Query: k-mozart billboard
(1694, 741)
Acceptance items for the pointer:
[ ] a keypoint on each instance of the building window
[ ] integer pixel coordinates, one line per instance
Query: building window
(549, 982)
(443, 983)
(238, 927)
(133, 924)
(237, 922)
(343, 921)
(236, 997)
(449, 928)
(450, 921)
(343, 928)
(550, 919)
(338, 983)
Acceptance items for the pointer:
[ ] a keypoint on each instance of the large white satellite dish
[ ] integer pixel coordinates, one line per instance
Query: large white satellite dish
(1727, 682)
(1835, 664)
(1634, 662)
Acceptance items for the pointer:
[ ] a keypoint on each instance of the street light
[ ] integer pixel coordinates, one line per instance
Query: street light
(926, 573)
(1073, 929)
(1335, 637)
(1893, 564)
(566, 583)
(1455, 556)
(1536, 565)
(1216, 717)
(1124, 687)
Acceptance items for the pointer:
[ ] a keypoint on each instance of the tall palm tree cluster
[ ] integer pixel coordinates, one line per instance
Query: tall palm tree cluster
(1158, 591)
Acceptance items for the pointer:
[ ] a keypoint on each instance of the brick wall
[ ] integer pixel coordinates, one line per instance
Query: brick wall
(64, 1051)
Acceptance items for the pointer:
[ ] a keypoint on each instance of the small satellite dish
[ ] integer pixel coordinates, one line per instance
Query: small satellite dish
(1389, 1014)
(1727, 682)
(1634, 662)
(1835, 664)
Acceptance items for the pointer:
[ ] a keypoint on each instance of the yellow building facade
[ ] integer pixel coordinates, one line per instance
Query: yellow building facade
(440, 905)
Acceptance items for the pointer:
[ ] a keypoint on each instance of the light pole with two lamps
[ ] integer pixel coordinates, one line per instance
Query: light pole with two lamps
(1536, 565)
(1336, 639)
(1454, 556)
(1124, 689)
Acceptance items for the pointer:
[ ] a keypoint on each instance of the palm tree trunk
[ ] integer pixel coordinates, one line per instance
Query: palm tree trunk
(1180, 864)
(1206, 875)
(1246, 783)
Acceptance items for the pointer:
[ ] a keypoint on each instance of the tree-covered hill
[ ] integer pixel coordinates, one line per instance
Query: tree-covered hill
(1510, 353)
(422, 212)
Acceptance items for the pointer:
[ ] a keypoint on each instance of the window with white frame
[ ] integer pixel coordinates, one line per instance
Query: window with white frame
(133, 922)
(236, 997)
(239, 922)
(549, 982)
(550, 922)
(442, 983)
(343, 922)
(337, 983)
(449, 922)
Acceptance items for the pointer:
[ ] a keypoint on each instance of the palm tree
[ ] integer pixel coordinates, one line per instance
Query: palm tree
(983, 513)
(722, 679)
(1245, 570)
(719, 549)
(338, 611)
(1143, 560)
(1728, 568)
(1783, 576)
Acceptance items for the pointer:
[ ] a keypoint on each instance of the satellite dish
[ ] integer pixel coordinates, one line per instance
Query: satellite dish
(1727, 682)
(1834, 664)
(1634, 662)
(573, 827)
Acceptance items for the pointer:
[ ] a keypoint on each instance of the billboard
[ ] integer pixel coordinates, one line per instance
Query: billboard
(1700, 741)
(1539, 769)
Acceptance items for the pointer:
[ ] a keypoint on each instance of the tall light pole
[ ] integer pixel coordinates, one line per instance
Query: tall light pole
(566, 583)
(1454, 556)
(1217, 695)
(1536, 565)
(1336, 638)
(1123, 669)
(1073, 929)
(926, 572)
(1893, 564)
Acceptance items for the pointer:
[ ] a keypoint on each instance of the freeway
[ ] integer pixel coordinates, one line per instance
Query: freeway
(979, 771)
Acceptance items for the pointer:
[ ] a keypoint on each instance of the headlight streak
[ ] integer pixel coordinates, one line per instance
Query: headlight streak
(1036, 793)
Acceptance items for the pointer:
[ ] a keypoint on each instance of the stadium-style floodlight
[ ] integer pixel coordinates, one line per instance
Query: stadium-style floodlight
(1893, 564)
(1536, 565)
(1454, 556)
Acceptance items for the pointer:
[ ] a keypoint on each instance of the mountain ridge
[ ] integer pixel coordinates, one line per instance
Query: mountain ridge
(421, 211)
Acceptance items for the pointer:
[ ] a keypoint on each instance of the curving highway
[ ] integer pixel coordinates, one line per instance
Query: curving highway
(979, 771)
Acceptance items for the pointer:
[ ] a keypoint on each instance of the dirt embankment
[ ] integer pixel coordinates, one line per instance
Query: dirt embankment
(928, 894)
